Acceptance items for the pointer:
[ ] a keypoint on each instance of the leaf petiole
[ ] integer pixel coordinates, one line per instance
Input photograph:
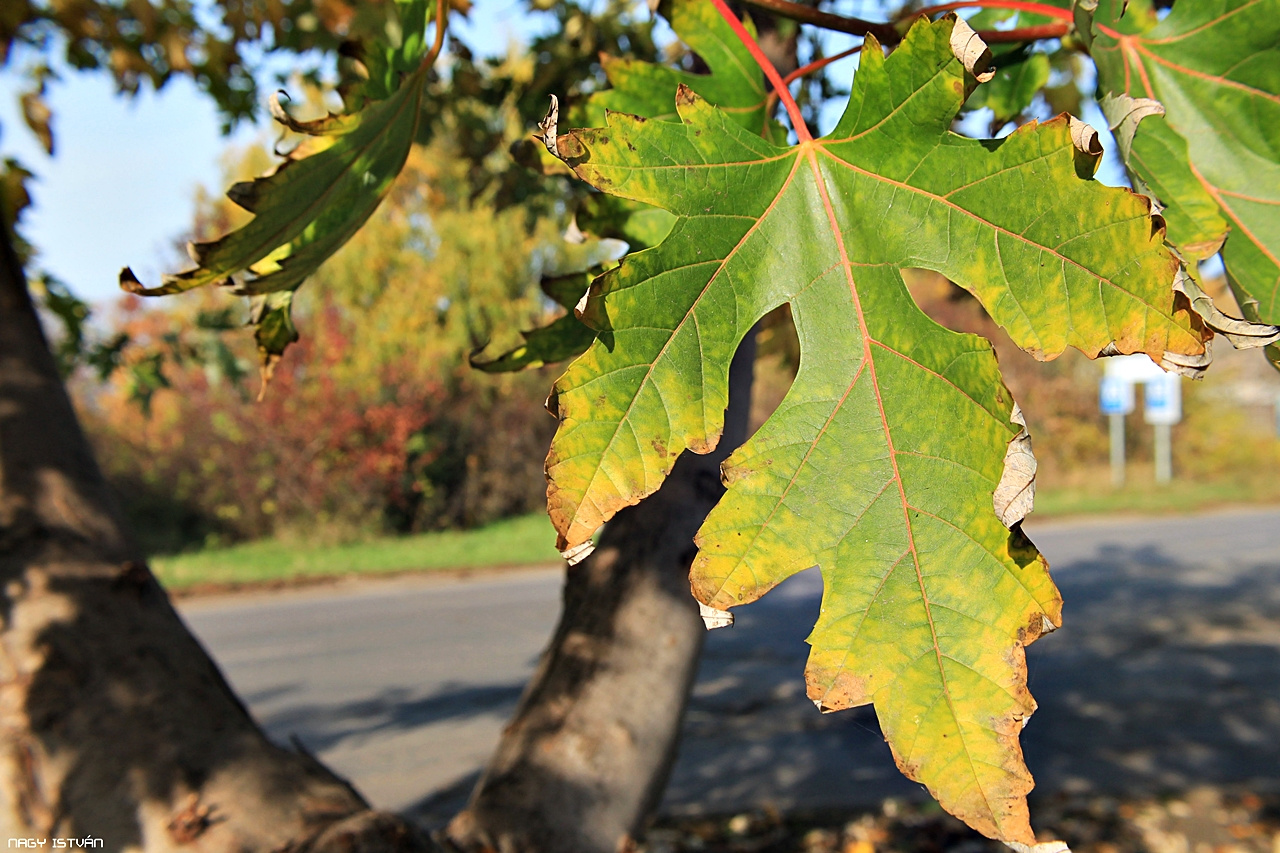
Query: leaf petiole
(442, 24)
(793, 109)
(804, 70)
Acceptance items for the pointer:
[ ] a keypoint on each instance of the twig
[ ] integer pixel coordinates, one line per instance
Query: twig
(442, 24)
(886, 33)
(802, 71)
(889, 34)
(818, 63)
(1020, 5)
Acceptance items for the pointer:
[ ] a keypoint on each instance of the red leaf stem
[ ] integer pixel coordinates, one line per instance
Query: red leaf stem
(1043, 31)
(819, 63)
(802, 71)
(784, 94)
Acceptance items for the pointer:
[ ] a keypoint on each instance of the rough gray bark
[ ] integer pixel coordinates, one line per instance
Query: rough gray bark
(114, 722)
(583, 764)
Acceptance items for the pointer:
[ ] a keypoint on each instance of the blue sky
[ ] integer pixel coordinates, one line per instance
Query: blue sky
(121, 187)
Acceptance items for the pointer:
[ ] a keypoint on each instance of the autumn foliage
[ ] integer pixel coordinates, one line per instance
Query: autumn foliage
(372, 422)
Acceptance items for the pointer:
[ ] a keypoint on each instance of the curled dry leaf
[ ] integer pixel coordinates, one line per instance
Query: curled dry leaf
(1015, 495)
(972, 51)
(1085, 138)
(38, 116)
(578, 553)
(1045, 847)
(549, 125)
(1241, 333)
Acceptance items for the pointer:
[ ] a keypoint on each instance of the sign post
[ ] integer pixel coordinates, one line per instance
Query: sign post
(1161, 405)
(1115, 398)
(1162, 408)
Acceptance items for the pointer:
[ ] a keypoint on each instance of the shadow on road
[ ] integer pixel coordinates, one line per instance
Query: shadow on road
(322, 727)
(1165, 677)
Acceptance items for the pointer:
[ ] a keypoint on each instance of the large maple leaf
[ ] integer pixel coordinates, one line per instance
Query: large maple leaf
(1204, 83)
(881, 464)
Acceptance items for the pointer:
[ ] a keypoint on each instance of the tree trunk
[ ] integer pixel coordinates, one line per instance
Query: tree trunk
(583, 764)
(116, 724)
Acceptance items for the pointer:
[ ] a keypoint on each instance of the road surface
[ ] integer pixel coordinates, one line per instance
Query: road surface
(1166, 675)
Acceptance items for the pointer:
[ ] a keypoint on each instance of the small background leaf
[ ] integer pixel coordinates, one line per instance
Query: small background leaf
(325, 190)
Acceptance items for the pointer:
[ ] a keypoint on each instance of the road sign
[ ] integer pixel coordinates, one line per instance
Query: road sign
(1115, 396)
(1162, 400)
(1161, 407)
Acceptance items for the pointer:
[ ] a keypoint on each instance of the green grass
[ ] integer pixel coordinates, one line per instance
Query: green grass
(527, 540)
(1140, 495)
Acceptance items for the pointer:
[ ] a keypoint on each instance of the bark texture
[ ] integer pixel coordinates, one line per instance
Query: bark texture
(583, 764)
(114, 722)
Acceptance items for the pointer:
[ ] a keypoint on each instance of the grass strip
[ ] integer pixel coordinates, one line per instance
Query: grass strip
(1141, 496)
(530, 540)
(525, 540)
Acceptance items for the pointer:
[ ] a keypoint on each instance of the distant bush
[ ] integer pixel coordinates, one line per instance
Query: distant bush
(326, 453)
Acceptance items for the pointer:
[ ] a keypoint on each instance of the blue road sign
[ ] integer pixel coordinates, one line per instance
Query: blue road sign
(1162, 400)
(1115, 396)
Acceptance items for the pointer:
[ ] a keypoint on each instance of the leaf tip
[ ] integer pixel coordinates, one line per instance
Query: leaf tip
(713, 618)
(129, 282)
(1084, 137)
(548, 126)
(1042, 847)
(578, 553)
(1087, 147)
(243, 194)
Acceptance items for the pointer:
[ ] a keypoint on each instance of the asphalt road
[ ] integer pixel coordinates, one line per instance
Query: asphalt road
(1165, 676)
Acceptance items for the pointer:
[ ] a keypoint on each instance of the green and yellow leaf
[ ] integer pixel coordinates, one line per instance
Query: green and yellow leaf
(929, 599)
(733, 82)
(312, 204)
(564, 280)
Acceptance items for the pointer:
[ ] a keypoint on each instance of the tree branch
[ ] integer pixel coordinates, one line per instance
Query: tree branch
(889, 34)
(885, 33)
(1020, 5)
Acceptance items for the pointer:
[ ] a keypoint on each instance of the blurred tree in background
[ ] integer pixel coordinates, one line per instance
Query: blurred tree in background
(373, 422)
